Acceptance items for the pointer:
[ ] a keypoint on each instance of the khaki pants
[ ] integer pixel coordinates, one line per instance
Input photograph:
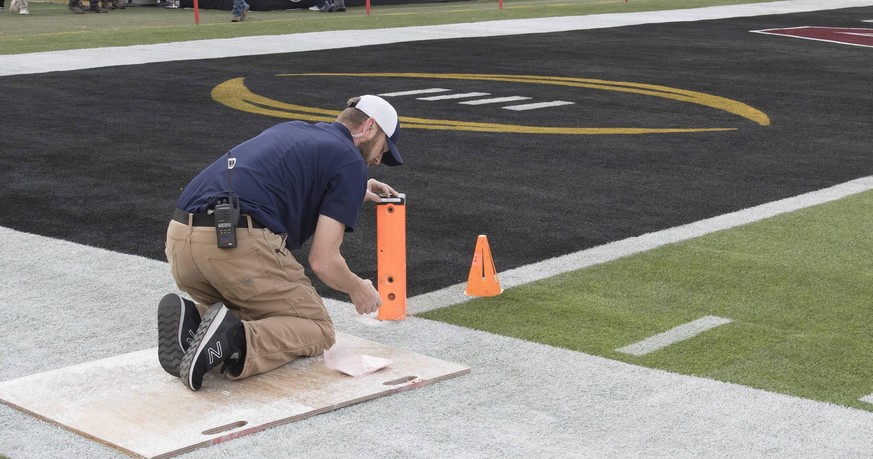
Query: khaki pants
(262, 285)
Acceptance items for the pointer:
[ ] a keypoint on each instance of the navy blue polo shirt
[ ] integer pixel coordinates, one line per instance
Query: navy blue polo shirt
(286, 177)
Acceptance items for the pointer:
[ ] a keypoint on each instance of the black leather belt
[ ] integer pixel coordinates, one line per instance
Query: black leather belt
(209, 220)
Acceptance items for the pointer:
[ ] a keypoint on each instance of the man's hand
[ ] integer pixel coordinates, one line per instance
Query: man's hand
(374, 187)
(366, 298)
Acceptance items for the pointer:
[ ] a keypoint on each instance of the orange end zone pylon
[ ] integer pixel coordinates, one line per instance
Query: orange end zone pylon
(391, 257)
(483, 275)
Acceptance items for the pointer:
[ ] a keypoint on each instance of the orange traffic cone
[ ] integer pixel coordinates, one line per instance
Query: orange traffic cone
(483, 276)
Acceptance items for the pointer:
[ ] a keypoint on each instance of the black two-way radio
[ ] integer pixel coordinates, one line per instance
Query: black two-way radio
(227, 214)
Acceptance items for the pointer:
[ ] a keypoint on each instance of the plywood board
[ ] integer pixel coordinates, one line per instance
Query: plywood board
(130, 403)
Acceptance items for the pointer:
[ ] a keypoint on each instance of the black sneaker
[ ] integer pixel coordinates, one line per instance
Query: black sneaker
(339, 5)
(326, 7)
(220, 338)
(178, 320)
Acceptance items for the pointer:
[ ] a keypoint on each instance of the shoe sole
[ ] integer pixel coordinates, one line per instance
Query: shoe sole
(208, 326)
(171, 314)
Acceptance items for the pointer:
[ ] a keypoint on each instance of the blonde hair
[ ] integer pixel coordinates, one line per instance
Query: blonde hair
(353, 118)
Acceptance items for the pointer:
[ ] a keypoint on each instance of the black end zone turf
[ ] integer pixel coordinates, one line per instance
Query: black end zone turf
(99, 156)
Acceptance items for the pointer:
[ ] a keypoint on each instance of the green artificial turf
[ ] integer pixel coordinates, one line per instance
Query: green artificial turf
(798, 287)
(51, 27)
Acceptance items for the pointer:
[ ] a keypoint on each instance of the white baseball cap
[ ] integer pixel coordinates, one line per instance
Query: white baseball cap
(386, 117)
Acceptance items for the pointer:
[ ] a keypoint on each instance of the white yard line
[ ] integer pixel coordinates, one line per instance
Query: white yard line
(674, 335)
(465, 95)
(538, 105)
(414, 92)
(494, 100)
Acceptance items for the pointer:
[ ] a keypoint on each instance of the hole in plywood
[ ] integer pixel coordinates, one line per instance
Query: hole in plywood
(224, 428)
(397, 381)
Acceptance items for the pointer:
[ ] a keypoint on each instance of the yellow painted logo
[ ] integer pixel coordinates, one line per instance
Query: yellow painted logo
(234, 93)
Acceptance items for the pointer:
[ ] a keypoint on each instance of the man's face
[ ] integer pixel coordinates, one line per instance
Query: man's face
(374, 143)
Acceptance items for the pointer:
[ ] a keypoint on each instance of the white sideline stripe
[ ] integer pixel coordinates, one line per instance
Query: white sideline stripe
(614, 250)
(454, 96)
(674, 335)
(867, 398)
(50, 61)
(522, 107)
(494, 100)
(413, 93)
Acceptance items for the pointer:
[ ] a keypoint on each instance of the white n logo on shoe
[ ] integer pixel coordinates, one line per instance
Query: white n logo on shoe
(214, 353)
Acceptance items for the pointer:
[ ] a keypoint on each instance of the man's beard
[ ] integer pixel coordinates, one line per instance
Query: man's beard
(366, 148)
